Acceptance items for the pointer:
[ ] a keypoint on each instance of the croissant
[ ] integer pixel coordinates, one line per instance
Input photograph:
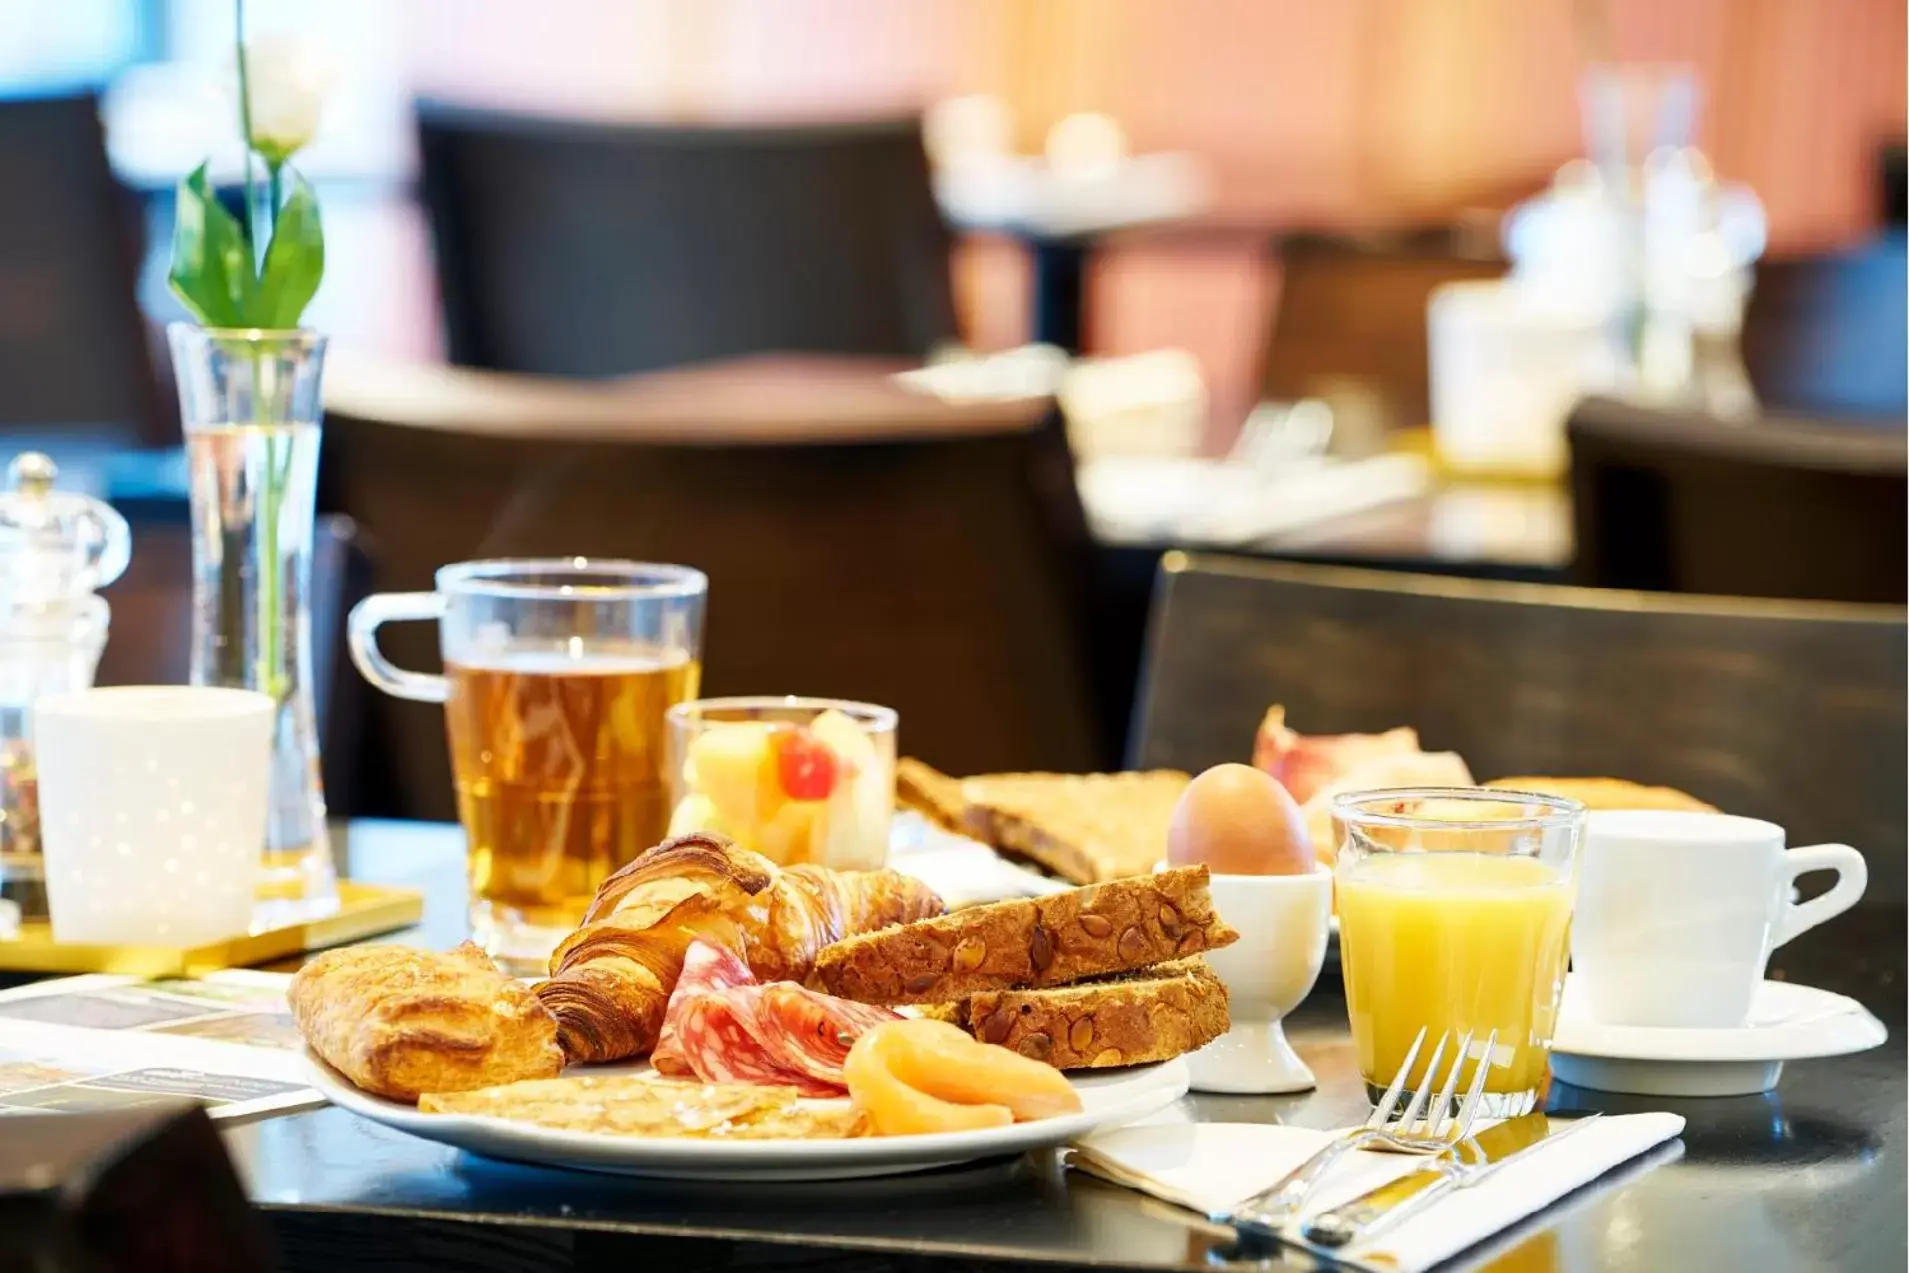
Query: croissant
(611, 979)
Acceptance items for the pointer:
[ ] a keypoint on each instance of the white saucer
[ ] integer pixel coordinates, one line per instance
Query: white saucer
(1787, 1023)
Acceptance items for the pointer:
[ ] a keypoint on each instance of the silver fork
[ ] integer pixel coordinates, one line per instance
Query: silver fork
(1422, 1129)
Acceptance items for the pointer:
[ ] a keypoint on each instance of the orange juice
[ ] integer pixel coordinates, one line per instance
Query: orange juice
(1455, 941)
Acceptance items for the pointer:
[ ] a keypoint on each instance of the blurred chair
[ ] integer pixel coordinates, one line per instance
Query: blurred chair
(884, 546)
(1794, 712)
(150, 640)
(1775, 508)
(73, 345)
(589, 249)
(1351, 314)
(1829, 335)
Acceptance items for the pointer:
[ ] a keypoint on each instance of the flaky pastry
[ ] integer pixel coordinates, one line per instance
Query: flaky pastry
(401, 1022)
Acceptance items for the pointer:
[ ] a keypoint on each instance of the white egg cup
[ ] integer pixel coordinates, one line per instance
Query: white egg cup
(1283, 923)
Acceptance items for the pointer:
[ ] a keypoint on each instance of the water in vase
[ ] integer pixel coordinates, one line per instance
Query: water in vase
(252, 495)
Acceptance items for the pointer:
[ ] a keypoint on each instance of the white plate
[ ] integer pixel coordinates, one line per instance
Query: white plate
(1111, 1099)
(1787, 1023)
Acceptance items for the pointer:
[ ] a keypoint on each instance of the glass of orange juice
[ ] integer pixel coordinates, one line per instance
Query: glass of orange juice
(1455, 918)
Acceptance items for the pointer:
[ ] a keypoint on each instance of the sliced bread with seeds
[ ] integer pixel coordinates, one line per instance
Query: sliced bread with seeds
(1119, 926)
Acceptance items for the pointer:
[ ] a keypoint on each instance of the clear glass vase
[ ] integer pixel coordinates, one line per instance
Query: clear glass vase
(249, 402)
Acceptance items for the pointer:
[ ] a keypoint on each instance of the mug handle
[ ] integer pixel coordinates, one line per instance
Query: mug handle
(361, 639)
(1852, 877)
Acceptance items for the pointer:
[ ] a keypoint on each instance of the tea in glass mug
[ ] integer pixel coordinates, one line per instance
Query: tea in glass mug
(557, 675)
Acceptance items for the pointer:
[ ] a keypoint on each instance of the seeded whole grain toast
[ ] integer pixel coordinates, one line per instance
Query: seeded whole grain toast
(1131, 1018)
(930, 793)
(1085, 828)
(1045, 941)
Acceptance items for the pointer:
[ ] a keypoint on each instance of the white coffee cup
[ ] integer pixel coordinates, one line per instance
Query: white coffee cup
(152, 811)
(1677, 913)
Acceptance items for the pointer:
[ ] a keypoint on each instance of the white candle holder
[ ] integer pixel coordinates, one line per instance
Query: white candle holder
(153, 811)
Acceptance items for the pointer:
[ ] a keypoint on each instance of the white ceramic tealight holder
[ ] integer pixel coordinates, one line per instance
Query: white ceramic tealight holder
(152, 811)
(1283, 922)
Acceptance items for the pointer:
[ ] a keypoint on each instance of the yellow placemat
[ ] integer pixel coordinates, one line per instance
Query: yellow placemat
(280, 929)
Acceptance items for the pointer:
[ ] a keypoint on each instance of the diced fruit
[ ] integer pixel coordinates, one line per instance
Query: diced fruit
(805, 764)
(839, 844)
(851, 841)
(734, 767)
(849, 741)
(696, 813)
(864, 797)
(875, 809)
(789, 838)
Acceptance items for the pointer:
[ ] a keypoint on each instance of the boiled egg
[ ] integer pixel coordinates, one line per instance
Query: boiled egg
(1236, 820)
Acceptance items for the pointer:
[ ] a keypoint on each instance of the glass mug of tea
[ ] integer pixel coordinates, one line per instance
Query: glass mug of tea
(557, 675)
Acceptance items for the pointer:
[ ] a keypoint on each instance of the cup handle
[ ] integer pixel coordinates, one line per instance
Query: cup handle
(1852, 877)
(361, 639)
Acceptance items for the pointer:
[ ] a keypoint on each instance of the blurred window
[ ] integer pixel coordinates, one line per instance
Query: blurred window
(67, 45)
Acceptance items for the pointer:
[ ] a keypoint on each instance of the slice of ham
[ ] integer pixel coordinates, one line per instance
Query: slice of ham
(1305, 764)
(721, 1027)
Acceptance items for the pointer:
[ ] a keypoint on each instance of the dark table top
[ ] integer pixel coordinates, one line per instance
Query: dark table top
(1810, 1176)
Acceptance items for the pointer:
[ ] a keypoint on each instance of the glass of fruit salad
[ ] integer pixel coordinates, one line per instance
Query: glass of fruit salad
(795, 779)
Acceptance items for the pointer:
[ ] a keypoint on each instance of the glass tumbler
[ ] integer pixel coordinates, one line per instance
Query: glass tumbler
(1454, 921)
(794, 779)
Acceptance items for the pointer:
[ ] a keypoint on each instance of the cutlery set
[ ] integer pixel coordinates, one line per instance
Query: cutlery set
(1436, 1126)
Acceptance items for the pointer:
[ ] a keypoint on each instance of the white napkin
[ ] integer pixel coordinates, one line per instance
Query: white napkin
(1211, 1167)
(961, 871)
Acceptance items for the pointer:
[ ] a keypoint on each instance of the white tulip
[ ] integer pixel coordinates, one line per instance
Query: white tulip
(288, 78)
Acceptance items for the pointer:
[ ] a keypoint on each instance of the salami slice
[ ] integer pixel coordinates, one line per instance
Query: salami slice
(720, 1047)
(721, 1027)
(811, 1033)
(707, 970)
(746, 1044)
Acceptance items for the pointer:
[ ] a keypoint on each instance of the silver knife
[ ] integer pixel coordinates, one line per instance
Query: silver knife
(1477, 1158)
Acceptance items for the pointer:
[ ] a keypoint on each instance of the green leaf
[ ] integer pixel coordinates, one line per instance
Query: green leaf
(211, 264)
(294, 260)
